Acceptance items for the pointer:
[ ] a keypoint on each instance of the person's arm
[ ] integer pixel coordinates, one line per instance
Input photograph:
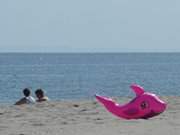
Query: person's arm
(21, 101)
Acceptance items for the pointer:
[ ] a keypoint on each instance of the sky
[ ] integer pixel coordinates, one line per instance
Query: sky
(89, 26)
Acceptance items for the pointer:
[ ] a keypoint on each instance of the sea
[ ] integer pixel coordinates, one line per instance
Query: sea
(78, 76)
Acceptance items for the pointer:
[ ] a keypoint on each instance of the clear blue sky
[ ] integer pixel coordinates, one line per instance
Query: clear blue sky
(89, 26)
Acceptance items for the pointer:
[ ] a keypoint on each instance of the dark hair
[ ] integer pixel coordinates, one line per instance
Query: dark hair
(39, 92)
(26, 92)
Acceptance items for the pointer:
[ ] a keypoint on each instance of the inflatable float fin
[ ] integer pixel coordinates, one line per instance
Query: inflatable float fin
(137, 89)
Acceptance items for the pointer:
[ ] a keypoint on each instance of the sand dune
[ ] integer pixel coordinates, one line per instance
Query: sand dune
(84, 118)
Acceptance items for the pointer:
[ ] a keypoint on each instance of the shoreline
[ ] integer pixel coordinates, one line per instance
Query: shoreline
(119, 99)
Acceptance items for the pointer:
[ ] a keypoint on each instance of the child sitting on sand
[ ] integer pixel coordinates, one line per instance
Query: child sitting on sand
(27, 99)
(40, 95)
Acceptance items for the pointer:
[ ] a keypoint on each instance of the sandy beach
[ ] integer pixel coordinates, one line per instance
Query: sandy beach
(84, 118)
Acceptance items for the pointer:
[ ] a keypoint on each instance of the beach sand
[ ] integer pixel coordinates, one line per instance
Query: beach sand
(84, 118)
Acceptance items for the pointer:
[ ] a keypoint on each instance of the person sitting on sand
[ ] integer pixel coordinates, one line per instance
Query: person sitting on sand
(27, 99)
(40, 96)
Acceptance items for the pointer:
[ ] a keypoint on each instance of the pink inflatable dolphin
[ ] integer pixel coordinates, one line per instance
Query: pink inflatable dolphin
(145, 105)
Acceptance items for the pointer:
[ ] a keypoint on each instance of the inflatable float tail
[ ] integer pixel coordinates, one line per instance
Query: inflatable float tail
(104, 100)
(107, 102)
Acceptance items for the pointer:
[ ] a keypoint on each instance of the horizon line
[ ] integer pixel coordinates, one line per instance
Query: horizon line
(51, 52)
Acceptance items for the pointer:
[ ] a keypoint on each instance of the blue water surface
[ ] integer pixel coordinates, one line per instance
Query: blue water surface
(81, 75)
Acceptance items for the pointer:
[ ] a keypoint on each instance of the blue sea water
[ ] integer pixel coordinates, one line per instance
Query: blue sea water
(81, 75)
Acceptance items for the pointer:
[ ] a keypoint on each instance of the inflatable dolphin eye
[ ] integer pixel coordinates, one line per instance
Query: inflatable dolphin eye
(144, 105)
